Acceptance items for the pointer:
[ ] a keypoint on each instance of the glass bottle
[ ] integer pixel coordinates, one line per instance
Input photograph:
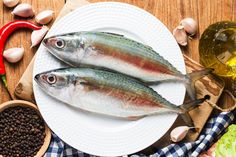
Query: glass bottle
(217, 48)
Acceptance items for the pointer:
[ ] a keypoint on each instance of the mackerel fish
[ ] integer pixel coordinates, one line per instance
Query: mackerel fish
(118, 53)
(107, 93)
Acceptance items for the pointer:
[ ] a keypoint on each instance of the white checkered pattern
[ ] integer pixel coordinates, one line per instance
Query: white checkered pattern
(213, 129)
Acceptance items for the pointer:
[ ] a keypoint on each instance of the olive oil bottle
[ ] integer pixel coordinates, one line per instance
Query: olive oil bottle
(217, 48)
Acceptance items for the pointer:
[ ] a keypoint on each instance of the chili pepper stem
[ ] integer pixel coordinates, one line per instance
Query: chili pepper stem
(4, 80)
(5, 31)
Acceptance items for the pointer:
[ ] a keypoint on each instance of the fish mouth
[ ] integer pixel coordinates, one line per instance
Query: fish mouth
(40, 79)
(36, 78)
(47, 42)
(47, 45)
(41, 82)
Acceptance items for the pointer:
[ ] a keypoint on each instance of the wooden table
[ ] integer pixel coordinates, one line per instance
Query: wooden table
(170, 12)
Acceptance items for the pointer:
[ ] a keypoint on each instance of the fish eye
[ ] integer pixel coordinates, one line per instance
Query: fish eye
(51, 79)
(60, 43)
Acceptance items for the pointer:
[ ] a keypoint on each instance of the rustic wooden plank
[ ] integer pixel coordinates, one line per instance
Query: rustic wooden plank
(234, 10)
(170, 12)
(191, 65)
(208, 85)
(22, 38)
(188, 12)
(24, 89)
(204, 11)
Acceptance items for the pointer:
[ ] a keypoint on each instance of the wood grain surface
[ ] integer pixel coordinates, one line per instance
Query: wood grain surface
(22, 38)
(206, 86)
(170, 12)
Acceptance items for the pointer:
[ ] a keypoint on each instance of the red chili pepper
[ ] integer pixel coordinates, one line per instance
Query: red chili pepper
(5, 31)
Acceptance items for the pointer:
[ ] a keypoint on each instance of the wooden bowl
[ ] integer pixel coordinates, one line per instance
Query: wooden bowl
(47, 139)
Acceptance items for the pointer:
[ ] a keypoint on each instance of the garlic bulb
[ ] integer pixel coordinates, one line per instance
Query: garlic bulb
(190, 25)
(13, 55)
(180, 35)
(44, 17)
(10, 3)
(37, 36)
(23, 10)
(179, 133)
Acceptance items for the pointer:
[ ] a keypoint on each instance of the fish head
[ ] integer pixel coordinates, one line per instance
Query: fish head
(67, 47)
(55, 83)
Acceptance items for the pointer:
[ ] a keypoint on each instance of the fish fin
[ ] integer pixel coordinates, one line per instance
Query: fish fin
(185, 108)
(85, 85)
(191, 78)
(120, 35)
(192, 105)
(187, 119)
(149, 47)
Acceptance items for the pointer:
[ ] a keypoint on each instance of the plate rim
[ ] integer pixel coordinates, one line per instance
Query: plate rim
(112, 3)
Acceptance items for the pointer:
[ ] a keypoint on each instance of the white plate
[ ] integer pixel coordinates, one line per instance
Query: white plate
(100, 135)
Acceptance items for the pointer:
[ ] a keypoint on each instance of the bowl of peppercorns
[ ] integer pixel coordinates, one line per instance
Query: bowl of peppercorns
(23, 132)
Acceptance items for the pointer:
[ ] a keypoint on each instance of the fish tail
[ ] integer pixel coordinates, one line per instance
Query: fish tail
(185, 108)
(187, 119)
(191, 105)
(191, 78)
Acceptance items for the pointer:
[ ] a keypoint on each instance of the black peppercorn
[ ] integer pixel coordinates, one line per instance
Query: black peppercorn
(22, 132)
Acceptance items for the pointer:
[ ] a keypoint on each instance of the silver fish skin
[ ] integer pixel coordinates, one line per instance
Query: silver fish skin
(118, 53)
(107, 93)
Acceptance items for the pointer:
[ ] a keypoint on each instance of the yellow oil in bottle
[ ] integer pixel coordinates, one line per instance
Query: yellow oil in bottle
(217, 48)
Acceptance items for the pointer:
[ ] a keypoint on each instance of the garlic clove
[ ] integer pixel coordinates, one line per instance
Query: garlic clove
(23, 10)
(190, 25)
(38, 35)
(10, 3)
(44, 17)
(13, 55)
(179, 133)
(180, 35)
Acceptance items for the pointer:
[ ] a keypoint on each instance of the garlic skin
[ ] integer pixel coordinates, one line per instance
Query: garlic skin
(10, 3)
(23, 10)
(180, 35)
(179, 133)
(13, 55)
(38, 35)
(190, 26)
(44, 17)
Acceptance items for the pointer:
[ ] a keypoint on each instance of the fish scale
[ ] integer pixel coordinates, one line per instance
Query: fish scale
(145, 51)
(105, 92)
(120, 54)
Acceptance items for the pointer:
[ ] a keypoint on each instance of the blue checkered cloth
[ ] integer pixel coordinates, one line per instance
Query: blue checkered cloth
(212, 131)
